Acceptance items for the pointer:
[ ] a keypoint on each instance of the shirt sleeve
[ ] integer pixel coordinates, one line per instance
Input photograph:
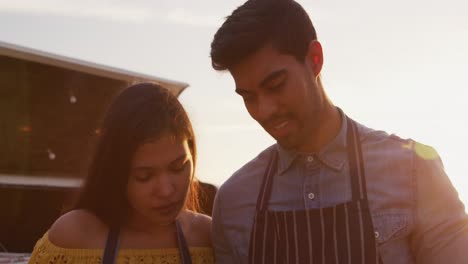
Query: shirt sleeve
(441, 224)
(223, 251)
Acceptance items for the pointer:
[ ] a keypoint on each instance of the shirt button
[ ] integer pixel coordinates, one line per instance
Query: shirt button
(310, 158)
(311, 196)
(376, 234)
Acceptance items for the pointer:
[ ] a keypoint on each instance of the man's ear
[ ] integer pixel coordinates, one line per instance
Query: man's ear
(314, 57)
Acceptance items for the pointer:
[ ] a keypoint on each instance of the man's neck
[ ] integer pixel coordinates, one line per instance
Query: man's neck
(328, 129)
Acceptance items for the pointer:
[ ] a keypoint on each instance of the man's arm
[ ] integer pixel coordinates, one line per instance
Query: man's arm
(441, 234)
(223, 251)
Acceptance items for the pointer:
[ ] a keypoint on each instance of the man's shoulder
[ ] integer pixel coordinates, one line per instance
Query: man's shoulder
(381, 141)
(374, 136)
(250, 175)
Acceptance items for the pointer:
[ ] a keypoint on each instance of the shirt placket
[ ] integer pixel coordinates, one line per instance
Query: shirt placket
(311, 193)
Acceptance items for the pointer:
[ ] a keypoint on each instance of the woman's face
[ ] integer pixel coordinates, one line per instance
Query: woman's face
(161, 172)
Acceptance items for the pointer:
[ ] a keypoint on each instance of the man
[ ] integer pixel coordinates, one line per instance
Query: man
(331, 190)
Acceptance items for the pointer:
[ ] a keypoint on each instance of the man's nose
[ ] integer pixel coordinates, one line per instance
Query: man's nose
(267, 107)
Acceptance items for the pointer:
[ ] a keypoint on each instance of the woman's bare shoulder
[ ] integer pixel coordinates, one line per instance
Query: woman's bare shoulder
(78, 229)
(202, 221)
(200, 228)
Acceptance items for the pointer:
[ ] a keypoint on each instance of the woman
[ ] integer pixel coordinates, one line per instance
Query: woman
(138, 203)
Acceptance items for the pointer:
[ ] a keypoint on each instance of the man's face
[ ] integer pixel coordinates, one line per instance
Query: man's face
(281, 94)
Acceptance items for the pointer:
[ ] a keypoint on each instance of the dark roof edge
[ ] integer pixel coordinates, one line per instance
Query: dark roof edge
(21, 52)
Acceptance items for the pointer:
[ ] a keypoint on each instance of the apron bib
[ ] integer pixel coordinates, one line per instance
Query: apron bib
(343, 233)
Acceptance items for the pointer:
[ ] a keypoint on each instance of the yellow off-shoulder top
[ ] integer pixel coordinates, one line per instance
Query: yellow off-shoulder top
(47, 253)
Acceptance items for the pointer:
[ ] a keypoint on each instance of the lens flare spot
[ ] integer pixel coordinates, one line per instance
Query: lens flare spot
(425, 152)
(25, 129)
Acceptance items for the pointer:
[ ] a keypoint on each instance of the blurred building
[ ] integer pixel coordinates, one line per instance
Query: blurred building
(50, 107)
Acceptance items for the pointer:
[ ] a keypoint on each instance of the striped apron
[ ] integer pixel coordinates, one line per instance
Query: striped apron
(342, 233)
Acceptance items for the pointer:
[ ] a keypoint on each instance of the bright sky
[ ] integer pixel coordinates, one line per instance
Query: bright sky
(399, 66)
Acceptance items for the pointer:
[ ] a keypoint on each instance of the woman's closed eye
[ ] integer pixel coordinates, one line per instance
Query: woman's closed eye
(179, 166)
(143, 175)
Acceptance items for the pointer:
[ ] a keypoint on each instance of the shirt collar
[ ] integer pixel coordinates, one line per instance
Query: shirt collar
(331, 155)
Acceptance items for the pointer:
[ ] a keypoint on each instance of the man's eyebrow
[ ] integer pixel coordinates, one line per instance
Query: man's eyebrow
(272, 76)
(264, 82)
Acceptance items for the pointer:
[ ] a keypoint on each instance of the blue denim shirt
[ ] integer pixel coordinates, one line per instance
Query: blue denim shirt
(416, 212)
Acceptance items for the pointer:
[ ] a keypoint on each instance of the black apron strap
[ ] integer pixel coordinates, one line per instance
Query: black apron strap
(265, 188)
(110, 251)
(359, 192)
(356, 162)
(182, 243)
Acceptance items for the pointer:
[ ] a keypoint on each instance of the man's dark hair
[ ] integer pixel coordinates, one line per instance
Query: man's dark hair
(283, 23)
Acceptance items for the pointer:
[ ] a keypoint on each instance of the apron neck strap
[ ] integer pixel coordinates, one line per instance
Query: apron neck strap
(355, 161)
(265, 188)
(112, 245)
(182, 244)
